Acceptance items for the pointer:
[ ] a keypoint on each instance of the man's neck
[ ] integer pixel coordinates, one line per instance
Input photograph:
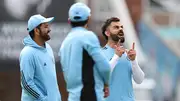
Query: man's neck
(86, 26)
(39, 41)
(111, 43)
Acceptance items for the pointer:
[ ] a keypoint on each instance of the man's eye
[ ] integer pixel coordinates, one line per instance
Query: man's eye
(117, 27)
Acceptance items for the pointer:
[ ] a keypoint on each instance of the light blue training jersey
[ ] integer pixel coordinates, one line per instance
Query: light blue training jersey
(120, 86)
(38, 73)
(85, 68)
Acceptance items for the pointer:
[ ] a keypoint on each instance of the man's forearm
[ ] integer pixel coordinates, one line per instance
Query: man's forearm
(138, 74)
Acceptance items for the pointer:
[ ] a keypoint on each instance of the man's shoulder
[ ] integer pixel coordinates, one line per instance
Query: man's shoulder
(81, 33)
(90, 34)
(27, 51)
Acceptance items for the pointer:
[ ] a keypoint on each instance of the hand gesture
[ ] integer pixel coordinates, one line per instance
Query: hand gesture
(119, 50)
(106, 91)
(132, 53)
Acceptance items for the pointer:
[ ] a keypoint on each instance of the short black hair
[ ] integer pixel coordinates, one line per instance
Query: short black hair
(78, 24)
(107, 23)
(31, 33)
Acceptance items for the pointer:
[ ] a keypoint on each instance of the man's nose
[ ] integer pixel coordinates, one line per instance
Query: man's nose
(49, 30)
(121, 33)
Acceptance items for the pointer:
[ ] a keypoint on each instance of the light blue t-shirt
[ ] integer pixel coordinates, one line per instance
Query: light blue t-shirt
(85, 68)
(120, 86)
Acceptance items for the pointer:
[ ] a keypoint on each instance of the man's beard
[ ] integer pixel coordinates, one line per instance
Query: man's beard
(45, 36)
(118, 37)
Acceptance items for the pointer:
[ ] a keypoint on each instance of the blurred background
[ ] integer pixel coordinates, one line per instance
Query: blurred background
(153, 25)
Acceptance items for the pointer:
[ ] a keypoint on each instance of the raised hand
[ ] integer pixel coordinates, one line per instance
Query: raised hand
(119, 50)
(132, 52)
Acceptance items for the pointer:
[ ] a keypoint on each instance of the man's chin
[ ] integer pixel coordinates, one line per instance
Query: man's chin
(47, 38)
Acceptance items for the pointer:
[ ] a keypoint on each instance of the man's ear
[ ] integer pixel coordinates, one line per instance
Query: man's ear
(89, 19)
(36, 31)
(107, 33)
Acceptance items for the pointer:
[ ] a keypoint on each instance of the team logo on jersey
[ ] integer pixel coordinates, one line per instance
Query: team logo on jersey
(45, 64)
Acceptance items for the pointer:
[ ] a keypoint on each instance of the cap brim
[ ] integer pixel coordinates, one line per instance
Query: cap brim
(48, 20)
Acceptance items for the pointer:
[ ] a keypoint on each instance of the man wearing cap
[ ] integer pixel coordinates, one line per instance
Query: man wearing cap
(37, 64)
(85, 68)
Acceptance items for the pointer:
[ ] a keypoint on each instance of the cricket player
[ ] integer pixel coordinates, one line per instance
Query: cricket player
(86, 70)
(37, 64)
(126, 68)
